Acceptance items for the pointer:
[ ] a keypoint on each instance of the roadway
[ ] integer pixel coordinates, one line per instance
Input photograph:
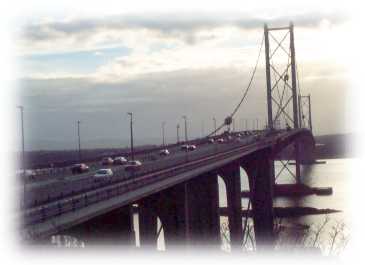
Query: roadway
(51, 189)
(87, 199)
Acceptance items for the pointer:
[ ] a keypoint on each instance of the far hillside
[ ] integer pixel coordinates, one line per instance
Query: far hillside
(335, 146)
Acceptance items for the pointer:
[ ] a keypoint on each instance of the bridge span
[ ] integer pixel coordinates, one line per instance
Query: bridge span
(182, 192)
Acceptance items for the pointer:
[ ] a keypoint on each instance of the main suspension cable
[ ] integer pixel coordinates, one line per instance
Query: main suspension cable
(245, 92)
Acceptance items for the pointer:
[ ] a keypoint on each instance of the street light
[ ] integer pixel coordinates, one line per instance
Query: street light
(186, 139)
(186, 130)
(177, 133)
(131, 126)
(163, 134)
(215, 126)
(78, 134)
(203, 129)
(23, 152)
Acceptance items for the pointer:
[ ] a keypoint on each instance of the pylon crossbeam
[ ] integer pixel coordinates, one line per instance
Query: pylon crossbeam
(280, 76)
(281, 98)
(285, 165)
(279, 44)
(282, 109)
(281, 170)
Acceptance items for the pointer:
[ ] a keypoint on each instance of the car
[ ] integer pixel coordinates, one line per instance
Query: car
(220, 140)
(27, 174)
(133, 165)
(107, 161)
(164, 152)
(120, 160)
(191, 147)
(79, 168)
(103, 173)
(184, 147)
(211, 141)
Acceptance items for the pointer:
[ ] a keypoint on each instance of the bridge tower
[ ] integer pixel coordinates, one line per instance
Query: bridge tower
(305, 112)
(281, 83)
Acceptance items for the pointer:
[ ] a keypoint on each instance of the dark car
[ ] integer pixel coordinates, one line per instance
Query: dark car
(184, 147)
(79, 168)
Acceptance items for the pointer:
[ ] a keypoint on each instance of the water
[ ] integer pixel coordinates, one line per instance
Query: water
(335, 173)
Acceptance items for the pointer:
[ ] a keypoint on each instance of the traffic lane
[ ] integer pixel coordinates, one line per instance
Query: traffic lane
(175, 152)
(77, 177)
(52, 173)
(74, 186)
(63, 188)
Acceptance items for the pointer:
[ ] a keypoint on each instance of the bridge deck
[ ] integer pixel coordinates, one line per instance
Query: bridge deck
(51, 217)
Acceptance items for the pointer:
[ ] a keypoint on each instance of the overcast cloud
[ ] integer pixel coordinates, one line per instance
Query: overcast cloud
(161, 67)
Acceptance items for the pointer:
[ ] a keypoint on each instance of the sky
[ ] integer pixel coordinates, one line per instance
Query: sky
(96, 67)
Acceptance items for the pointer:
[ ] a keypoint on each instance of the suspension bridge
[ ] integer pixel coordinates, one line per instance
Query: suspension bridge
(181, 189)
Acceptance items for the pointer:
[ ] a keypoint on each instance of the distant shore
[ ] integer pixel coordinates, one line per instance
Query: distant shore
(327, 147)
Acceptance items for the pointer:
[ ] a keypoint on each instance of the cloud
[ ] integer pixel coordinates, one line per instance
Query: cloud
(179, 27)
(53, 105)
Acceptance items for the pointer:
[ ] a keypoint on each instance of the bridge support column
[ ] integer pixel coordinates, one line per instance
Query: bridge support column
(112, 228)
(189, 213)
(297, 162)
(231, 176)
(172, 211)
(260, 170)
(147, 223)
(203, 211)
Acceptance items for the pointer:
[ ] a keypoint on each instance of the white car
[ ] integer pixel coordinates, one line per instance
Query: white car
(133, 165)
(191, 147)
(120, 160)
(103, 173)
(164, 152)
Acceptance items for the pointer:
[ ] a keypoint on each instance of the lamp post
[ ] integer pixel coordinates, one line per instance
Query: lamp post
(131, 127)
(186, 130)
(186, 139)
(215, 126)
(163, 133)
(177, 133)
(78, 134)
(23, 152)
(203, 129)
